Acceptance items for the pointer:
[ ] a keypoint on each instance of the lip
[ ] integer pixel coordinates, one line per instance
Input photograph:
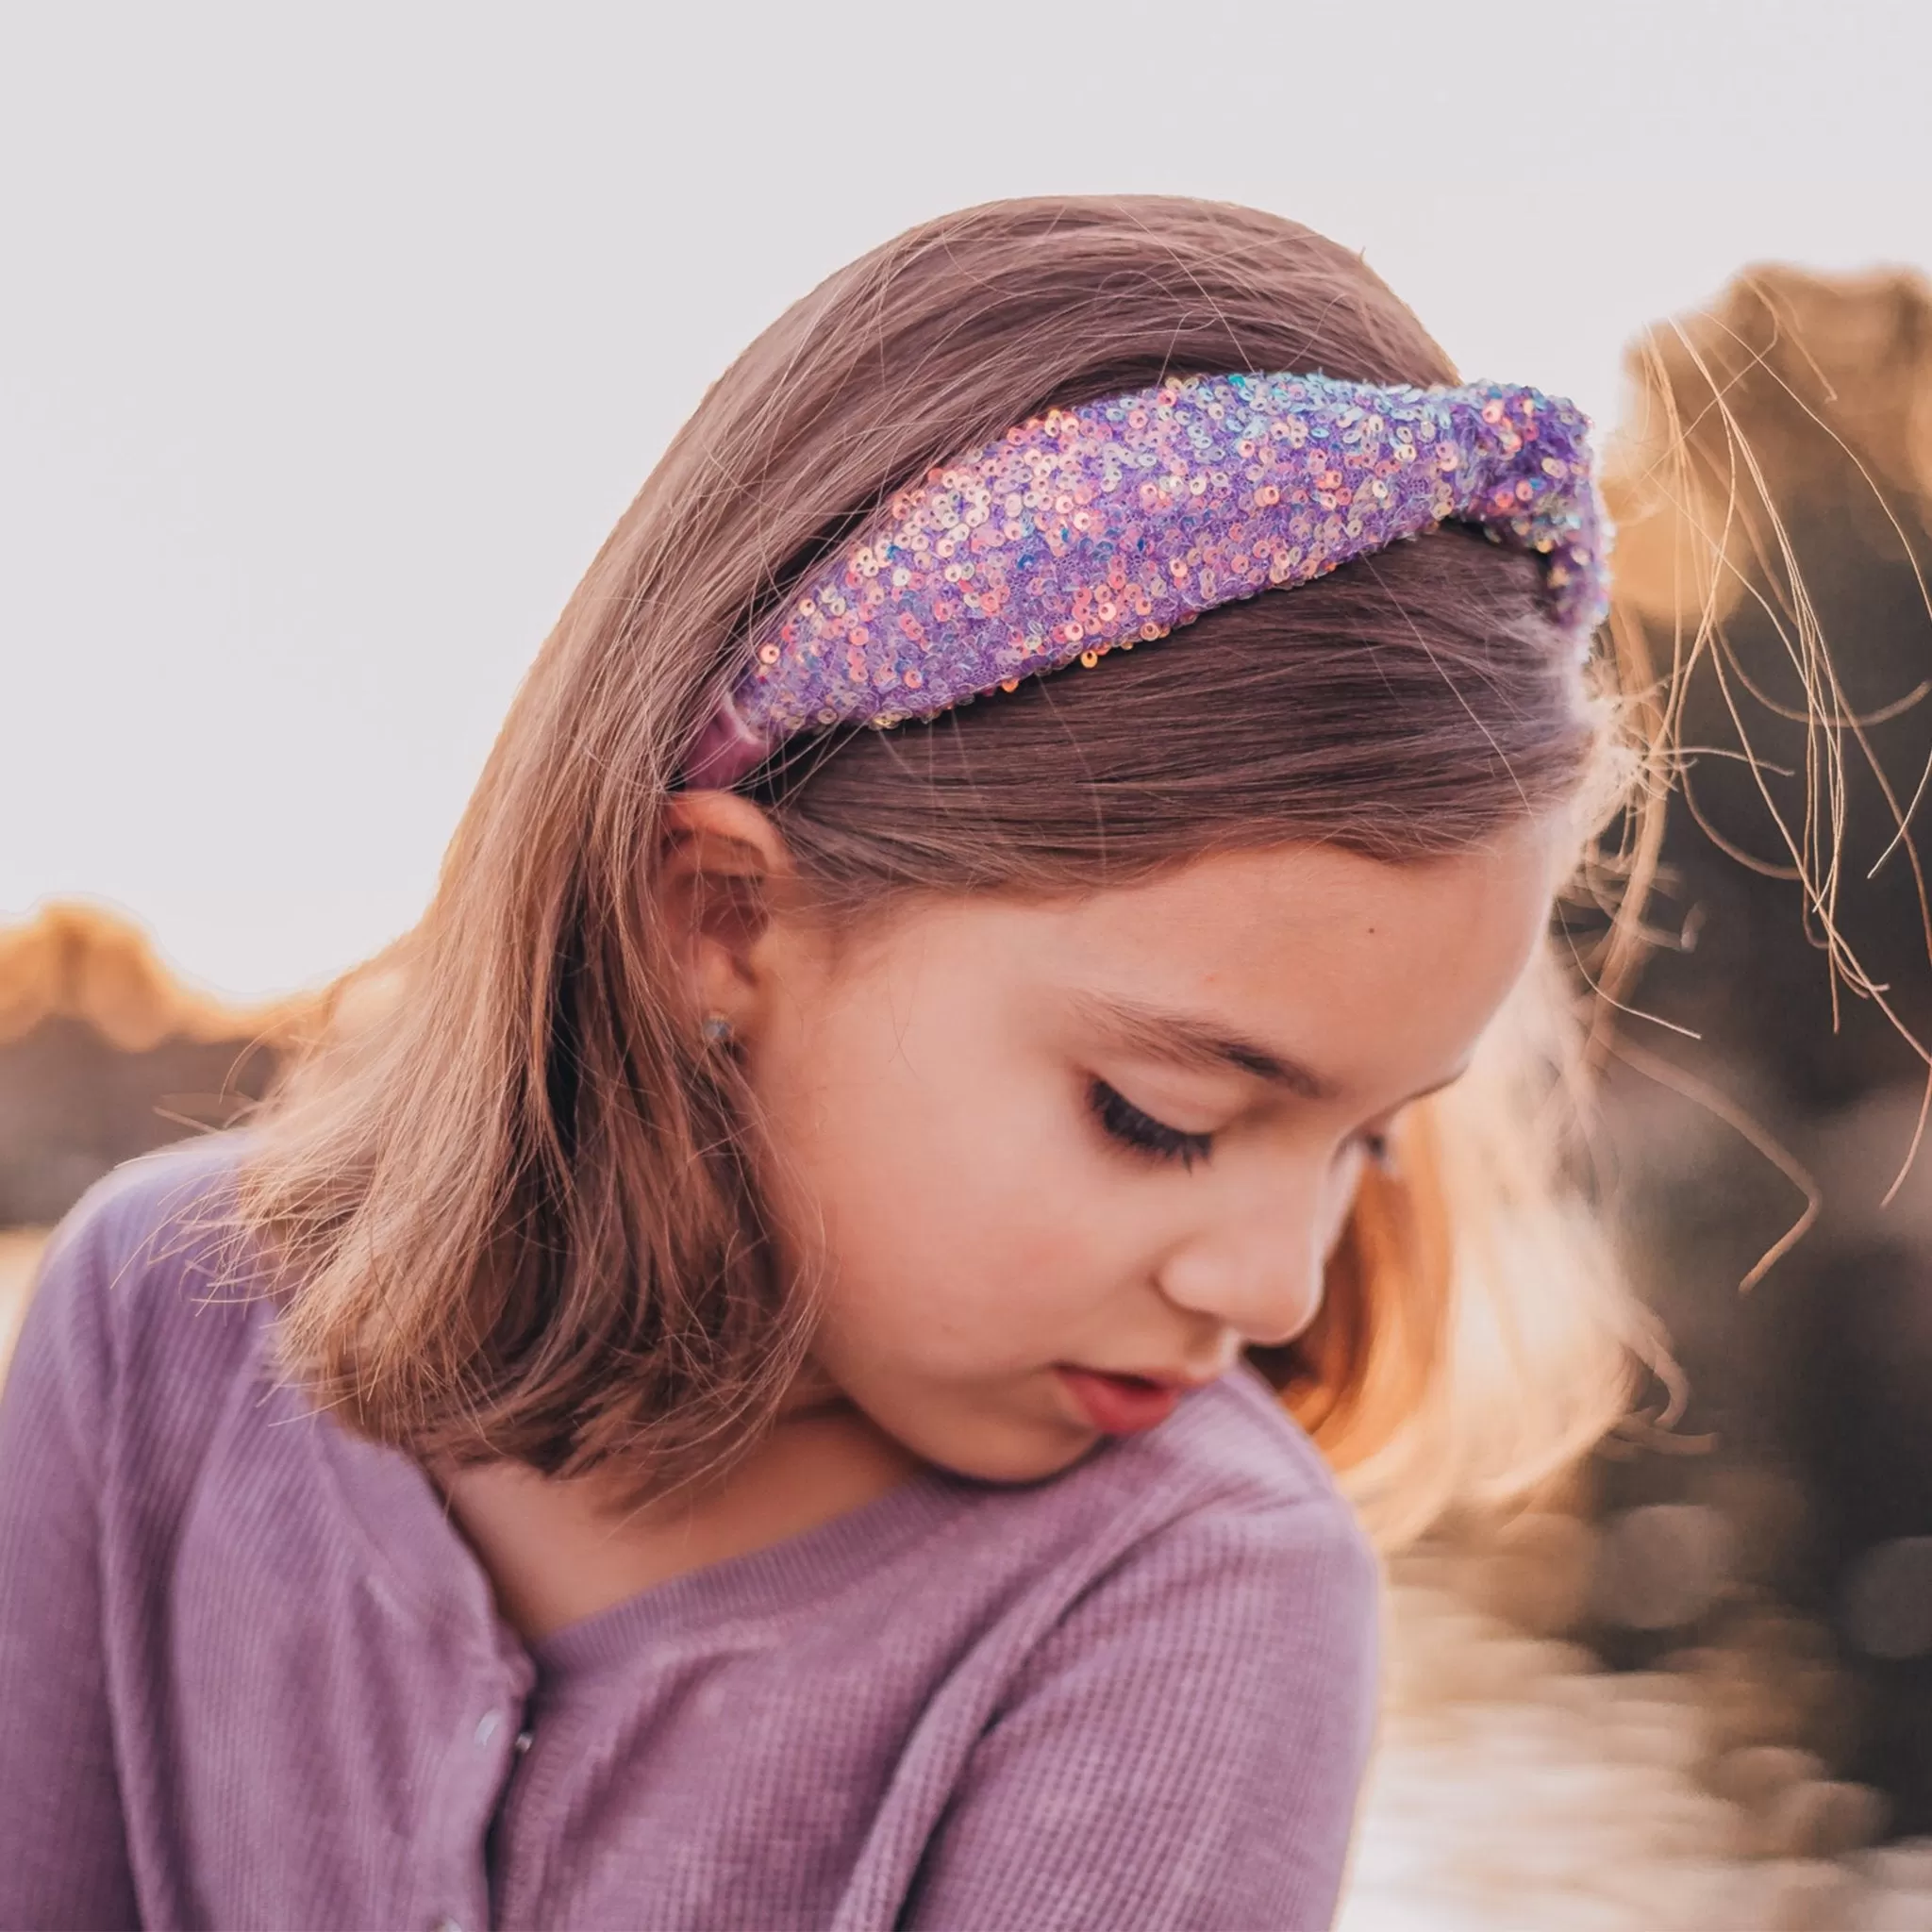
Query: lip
(1123, 1404)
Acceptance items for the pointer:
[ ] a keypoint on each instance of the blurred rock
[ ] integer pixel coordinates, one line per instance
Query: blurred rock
(1796, 410)
(1733, 406)
(104, 1056)
(1536, 1572)
(1821, 1818)
(1520, 1787)
(1662, 1566)
(1758, 1775)
(1888, 1599)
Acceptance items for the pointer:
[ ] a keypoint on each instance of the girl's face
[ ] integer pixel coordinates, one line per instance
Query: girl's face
(1116, 1134)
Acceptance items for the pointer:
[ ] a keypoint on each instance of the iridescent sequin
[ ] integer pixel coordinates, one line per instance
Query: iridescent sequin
(1101, 527)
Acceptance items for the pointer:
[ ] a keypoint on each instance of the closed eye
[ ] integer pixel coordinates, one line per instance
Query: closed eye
(1123, 1122)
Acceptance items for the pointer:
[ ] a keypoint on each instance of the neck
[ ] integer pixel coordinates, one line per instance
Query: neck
(560, 1549)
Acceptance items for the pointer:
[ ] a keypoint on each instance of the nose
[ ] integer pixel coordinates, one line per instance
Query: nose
(1257, 1267)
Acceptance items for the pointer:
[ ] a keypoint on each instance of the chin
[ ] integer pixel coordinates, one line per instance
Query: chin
(1014, 1456)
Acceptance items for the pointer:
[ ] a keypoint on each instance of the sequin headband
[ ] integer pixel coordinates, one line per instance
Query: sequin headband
(1105, 526)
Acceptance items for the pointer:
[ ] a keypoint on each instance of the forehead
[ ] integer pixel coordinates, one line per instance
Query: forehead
(1374, 972)
(1231, 911)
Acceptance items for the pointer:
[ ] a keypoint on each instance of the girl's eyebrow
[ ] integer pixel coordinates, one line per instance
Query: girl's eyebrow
(1184, 1040)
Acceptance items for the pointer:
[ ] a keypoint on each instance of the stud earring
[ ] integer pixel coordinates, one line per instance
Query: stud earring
(719, 1031)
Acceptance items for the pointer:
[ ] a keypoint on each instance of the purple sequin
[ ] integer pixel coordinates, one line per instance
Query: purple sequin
(1102, 526)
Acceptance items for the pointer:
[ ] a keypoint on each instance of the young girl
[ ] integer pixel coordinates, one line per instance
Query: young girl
(753, 1385)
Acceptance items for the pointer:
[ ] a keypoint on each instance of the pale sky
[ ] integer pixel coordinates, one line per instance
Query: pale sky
(333, 338)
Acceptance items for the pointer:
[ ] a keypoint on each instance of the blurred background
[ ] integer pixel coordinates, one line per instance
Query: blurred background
(334, 342)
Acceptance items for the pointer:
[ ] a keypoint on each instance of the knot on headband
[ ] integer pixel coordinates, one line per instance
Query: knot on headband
(1110, 524)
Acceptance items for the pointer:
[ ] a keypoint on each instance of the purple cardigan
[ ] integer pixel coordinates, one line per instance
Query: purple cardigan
(251, 1675)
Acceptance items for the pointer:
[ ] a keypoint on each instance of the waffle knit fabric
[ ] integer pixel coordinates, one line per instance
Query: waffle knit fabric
(253, 1676)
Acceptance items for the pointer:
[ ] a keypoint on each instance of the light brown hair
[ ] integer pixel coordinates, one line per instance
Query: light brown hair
(519, 1217)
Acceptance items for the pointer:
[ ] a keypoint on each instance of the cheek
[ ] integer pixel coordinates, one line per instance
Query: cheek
(948, 1199)
(1338, 1203)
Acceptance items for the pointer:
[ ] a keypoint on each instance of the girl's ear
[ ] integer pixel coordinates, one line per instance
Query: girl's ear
(722, 857)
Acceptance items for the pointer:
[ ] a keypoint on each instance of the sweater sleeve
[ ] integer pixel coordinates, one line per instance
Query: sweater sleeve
(1184, 1752)
(63, 1858)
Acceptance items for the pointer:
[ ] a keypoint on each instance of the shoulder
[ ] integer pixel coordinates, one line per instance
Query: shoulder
(141, 1283)
(1225, 1529)
(1184, 1744)
(1233, 1470)
(154, 1226)
(1234, 1441)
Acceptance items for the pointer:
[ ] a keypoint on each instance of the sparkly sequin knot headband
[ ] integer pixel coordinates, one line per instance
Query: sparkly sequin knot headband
(1107, 525)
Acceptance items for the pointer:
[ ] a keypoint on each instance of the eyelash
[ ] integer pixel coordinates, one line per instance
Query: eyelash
(1122, 1121)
